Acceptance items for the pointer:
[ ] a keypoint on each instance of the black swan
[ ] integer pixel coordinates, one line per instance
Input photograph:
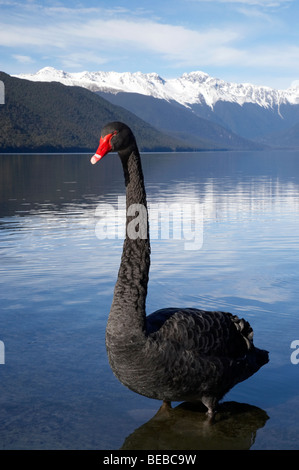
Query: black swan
(174, 354)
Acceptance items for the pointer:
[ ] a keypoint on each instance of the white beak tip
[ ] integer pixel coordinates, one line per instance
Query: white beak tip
(95, 158)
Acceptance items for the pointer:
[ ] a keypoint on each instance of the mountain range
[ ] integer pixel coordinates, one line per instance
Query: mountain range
(189, 89)
(54, 110)
(186, 107)
(51, 117)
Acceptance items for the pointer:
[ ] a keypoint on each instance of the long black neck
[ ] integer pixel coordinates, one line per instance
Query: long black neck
(127, 314)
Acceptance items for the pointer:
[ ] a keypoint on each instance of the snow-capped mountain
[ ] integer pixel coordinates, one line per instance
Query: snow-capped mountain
(189, 89)
(193, 103)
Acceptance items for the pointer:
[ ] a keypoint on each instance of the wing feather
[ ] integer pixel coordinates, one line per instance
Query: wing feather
(205, 333)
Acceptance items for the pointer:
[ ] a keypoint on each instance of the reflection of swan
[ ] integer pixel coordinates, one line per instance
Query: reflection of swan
(173, 354)
(185, 427)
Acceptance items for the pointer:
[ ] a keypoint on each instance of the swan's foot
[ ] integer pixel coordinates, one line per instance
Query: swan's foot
(165, 409)
(166, 405)
(211, 403)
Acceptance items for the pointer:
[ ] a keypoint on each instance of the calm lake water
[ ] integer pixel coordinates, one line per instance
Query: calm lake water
(58, 272)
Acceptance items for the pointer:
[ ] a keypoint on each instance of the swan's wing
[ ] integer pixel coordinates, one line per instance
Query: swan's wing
(206, 333)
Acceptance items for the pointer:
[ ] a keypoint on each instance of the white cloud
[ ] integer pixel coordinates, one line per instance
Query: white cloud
(91, 37)
(165, 39)
(102, 39)
(23, 59)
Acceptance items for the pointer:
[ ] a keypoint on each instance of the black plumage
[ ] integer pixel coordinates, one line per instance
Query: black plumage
(172, 354)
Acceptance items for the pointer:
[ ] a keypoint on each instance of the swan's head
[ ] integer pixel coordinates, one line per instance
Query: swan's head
(115, 137)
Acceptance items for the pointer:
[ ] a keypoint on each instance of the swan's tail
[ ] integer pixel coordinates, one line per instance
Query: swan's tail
(245, 329)
(260, 356)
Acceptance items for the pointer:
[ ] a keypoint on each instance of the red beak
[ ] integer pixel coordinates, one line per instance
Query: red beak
(104, 147)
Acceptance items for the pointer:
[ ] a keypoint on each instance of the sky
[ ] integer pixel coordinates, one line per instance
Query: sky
(241, 41)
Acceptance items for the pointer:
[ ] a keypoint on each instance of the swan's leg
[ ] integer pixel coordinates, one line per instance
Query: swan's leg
(211, 403)
(166, 405)
(164, 410)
